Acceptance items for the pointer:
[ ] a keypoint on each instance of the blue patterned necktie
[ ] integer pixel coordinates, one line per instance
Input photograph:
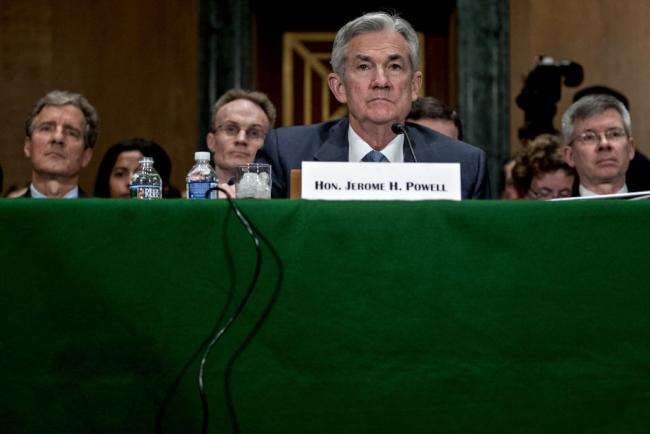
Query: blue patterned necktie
(375, 157)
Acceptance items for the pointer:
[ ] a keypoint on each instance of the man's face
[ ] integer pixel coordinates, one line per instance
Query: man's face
(601, 160)
(239, 130)
(378, 85)
(56, 146)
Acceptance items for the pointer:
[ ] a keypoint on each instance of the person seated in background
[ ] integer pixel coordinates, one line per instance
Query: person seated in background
(374, 59)
(540, 171)
(432, 113)
(121, 160)
(16, 190)
(637, 176)
(509, 190)
(60, 134)
(240, 121)
(597, 132)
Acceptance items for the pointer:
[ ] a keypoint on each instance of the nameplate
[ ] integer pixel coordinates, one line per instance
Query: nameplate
(380, 181)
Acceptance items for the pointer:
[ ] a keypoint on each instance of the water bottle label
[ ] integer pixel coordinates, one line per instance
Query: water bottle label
(197, 189)
(145, 192)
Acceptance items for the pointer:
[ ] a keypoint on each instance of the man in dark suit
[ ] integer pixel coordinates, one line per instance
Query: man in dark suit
(374, 59)
(60, 134)
(637, 176)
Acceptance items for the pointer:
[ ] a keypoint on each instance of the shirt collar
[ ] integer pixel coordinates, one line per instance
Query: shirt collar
(72, 194)
(584, 191)
(394, 150)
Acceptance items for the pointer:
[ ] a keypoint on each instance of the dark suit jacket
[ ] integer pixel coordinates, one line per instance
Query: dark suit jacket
(637, 177)
(286, 149)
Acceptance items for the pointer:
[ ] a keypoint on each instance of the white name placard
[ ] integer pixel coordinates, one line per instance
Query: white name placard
(380, 181)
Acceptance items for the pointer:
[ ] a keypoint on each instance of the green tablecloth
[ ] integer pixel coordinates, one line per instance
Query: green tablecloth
(392, 317)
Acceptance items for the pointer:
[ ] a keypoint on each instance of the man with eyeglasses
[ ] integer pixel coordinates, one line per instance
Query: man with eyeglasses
(60, 134)
(597, 131)
(240, 121)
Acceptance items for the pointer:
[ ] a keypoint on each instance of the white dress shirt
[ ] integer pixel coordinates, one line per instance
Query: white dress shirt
(72, 194)
(584, 191)
(394, 150)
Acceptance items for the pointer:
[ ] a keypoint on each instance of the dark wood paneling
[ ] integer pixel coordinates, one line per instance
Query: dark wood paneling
(135, 61)
(274, 18)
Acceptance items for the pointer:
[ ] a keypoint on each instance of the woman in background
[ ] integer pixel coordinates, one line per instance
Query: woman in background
(121, 160)
(540, 172)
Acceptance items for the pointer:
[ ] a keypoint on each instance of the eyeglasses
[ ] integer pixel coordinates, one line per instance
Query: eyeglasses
(232, 130)
(547, 193)
(592, 138)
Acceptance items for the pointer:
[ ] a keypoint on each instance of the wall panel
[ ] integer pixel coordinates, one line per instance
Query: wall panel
(135, 61)
(609, 38)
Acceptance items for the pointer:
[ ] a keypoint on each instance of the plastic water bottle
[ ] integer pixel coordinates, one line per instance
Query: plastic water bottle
(145, 182)
(201, 177)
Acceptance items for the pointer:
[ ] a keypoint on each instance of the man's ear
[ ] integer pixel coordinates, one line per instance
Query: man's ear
(27, 148)
(568, 156)
(632, 148)
(210, 141)
(337, 87)
(416, 83)
(86, 157)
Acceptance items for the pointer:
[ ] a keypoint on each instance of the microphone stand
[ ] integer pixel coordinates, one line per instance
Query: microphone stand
(401, 129)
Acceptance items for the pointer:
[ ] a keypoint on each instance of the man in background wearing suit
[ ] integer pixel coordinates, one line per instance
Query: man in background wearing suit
(432, 113)
(637, 177)
(597, 132)
(240, 121)
(60, 134)
(374, 59)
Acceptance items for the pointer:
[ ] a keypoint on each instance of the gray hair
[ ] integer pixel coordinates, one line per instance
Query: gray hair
(589, 106)
(60, 98)
(259, 98)
(368, 23)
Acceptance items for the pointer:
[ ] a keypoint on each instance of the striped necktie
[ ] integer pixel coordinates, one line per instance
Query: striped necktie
(375, 157)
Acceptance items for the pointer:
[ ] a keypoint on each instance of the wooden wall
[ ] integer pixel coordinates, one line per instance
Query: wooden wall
(135, 61)
(609, 38)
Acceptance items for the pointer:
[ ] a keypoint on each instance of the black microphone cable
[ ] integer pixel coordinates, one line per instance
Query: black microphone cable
(208, 344)
(401, 129)
(217, 336)
(256, 328)
(254, 233)
(162, 410)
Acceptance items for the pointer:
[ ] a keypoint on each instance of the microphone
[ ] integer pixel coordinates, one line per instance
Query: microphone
(401, 129)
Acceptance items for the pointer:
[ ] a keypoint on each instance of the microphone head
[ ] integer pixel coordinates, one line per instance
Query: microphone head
(397, 128)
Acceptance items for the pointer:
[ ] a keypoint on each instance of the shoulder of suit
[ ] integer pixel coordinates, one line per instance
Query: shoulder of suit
(320, 131)
(300, 129)
(427, 135)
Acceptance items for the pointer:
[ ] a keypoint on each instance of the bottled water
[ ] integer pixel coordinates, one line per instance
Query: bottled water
(145, 182)
(201, 177)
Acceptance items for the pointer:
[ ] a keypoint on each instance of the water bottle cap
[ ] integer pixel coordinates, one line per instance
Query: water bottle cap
(146, 160)
(201, 155)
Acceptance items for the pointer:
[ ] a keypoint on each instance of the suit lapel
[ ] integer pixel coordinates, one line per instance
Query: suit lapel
(415, 140)
(424, 146)
(335, 147)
